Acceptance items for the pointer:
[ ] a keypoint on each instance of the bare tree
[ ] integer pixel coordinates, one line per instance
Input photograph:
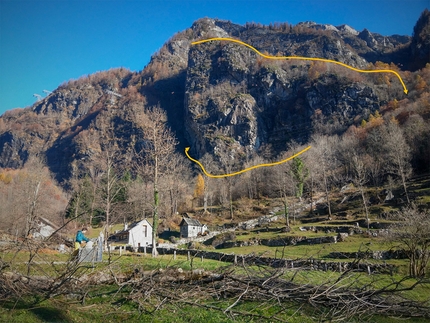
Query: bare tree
(311, 179)
(27, 195)
(283, 179)
(110, 182)
(140, 198)
(86, 200)
(360, 179)
(411, 233)
(228, 160)
(210, 183)
(325, 163)
(95, 173)
(375, 170)
(357, 167)
(398, 154)
(82, 204)
(389, 148)
(34, 181)
(174, 184)
(155, 154)
(254, 179)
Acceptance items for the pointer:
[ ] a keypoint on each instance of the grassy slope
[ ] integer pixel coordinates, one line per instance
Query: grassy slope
(109, 304)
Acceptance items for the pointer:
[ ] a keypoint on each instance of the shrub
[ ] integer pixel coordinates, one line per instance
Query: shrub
(223, 237)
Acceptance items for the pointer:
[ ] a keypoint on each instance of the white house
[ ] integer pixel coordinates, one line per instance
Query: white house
(191, 228)
(137, 234)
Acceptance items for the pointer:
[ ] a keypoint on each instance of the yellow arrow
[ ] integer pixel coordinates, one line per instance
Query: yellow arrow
(304, 58)
(246, 169)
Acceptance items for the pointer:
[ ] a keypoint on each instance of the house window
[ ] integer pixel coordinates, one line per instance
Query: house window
(145, 231)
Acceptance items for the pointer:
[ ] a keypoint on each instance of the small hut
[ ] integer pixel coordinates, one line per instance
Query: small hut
(191, 228)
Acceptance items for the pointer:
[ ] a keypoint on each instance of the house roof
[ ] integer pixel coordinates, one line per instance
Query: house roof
(190, 222)
(46, 221)
(131, 226)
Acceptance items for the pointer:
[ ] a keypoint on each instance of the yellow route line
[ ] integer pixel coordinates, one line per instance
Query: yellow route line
(246, 169)
(304, 58)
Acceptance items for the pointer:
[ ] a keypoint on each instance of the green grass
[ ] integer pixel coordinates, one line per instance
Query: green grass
(425, 200)
(107, 303)
(264, 234)
(173, 314)
(166, 261)
(170, 313)
(353, 243)
(110, 303)
(420, 293)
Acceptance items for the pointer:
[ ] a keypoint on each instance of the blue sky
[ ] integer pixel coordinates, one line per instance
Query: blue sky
(44, 43)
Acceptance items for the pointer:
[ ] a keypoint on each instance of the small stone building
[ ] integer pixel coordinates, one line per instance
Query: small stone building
(44, 228)
(137, 234)
(191, 228)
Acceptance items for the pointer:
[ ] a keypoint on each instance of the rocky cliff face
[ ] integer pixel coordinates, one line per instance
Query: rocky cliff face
(220, 97)
(236, 101)
(420, 46)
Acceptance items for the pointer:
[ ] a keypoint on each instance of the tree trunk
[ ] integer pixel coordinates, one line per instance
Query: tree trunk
(156, 202)
(155, 224)
(172, 203)
(107, 219)
(230, 200)
(287, 216)
(404, 186)
(78, 200)
(32, 211)
(312, 195)
(413, 266)
(327, 195)
(365, 207)
(205, 203)
(108, 201)
(93, 203)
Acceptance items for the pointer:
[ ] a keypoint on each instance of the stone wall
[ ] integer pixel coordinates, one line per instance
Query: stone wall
(278, 242)
(380, 255)
(305, 264)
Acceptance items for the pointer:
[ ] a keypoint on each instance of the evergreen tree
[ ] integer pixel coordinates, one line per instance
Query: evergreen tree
(300, 173)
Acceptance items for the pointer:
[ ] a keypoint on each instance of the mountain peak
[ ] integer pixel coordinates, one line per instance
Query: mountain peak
(208, 28)
(347, 29)
(216, 95)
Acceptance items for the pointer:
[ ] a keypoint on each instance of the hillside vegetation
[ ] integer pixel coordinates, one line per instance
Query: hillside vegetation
(108, 149)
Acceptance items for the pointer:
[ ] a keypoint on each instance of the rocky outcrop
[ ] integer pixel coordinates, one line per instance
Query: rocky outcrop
(420, 46)
(13, 152)
(347, 29)
(240, 102)
(340, 99)
(221, 98)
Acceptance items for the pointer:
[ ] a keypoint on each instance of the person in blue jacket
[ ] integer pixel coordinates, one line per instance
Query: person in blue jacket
(80, 236)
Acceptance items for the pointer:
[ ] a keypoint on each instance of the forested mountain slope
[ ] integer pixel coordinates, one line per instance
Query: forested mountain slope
(222, 98)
